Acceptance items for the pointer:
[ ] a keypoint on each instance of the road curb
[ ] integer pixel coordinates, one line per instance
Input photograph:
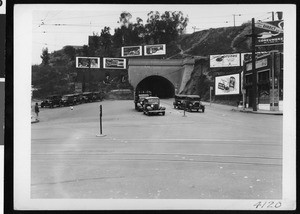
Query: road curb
(258, 112)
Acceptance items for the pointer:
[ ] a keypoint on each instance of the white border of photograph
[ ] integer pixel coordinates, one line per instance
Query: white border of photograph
(22, 125)
(117, 67)
(140, 51)
(161, 52)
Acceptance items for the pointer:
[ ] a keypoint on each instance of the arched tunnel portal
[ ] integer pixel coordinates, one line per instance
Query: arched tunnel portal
(158, 85)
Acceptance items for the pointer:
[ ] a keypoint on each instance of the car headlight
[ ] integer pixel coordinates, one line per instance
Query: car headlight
(149, 108)
(152, 106)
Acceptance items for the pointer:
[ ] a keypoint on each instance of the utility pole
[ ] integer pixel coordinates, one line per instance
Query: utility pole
(254, 73)
(234, 15)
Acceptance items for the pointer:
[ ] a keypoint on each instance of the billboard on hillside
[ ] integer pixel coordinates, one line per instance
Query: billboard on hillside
(130, 51)
(271, 33)
(114, 63)
(159, 49)
(224, 60)
(87, 62)
(227, 85)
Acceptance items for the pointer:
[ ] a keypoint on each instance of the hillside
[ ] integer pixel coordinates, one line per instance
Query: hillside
(200, 45)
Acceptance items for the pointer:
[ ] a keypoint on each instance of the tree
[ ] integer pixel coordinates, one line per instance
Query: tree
(45, 56)
(70, 52)
(105, 38)
(166, 27)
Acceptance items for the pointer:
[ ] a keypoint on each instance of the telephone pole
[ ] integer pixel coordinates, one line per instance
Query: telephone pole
(254, 72)
(234, 15)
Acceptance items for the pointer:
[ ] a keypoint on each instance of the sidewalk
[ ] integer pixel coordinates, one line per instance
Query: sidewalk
(250, 110)
(240, 109)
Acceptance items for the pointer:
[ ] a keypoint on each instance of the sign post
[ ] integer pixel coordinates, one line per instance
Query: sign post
(100, 114)
(210, 89)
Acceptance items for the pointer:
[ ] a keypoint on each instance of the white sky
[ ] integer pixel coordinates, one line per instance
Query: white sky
(82, 20)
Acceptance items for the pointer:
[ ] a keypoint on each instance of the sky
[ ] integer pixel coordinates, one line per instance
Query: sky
(55, 26)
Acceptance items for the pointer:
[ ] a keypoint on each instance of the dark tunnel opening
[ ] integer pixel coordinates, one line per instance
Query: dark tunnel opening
(159, 86)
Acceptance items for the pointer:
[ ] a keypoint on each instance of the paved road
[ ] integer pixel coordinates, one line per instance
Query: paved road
(219, 154)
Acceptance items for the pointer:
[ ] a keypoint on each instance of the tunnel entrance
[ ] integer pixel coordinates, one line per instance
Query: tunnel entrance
(159, 86)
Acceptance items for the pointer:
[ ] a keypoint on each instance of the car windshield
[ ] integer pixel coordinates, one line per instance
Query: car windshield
(143, 95)
(153, 100)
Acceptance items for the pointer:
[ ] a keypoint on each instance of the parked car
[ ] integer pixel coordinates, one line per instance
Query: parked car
(87, 97)
(51, 101)
(139, 99)
(98, 96)
(178, 101)
(78, 98)
(193, 102)
(152, 106)
(68, 100)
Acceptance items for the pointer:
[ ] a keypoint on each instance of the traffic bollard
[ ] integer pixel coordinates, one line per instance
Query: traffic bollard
(100, 119)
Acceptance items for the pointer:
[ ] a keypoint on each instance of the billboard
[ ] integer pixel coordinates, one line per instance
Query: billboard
(227, 85)
(114, 63)
(159, 49)
(224, 60)
(270, 33)
(129, 51)
(87, 62)
(248, 56)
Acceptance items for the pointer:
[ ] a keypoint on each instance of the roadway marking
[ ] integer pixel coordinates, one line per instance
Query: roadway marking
(163, 154)
(195, 139)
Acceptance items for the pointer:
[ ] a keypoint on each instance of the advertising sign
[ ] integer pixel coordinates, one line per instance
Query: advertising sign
(87, 62)
(224, 60)
(159, 49)
(114, 63)
(248, 56)
(131, 51)
(258, 64)
(227, 85)
(271, 33)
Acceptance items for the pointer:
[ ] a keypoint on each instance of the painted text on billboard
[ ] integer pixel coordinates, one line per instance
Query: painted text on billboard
(131, 51)
(87, 62)
(114, 63)
(224, 60)
(159, 49)
(227, 85)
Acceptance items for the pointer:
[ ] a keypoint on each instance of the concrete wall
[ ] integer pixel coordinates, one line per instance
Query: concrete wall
(177, 71)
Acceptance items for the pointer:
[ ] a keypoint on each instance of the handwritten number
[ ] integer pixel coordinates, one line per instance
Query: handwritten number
(277, 205)
(1, 3)
(269, 204)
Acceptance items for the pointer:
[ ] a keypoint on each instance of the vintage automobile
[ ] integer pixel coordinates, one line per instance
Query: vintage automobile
(68, 100)
(152, 106)
(51, 101)
(193, 102)
(139, 99)
(178, 101)
(78, 98)
(87, 97)
(98, 96)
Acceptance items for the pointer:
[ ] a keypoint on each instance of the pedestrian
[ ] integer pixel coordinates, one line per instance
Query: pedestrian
(36, 110)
